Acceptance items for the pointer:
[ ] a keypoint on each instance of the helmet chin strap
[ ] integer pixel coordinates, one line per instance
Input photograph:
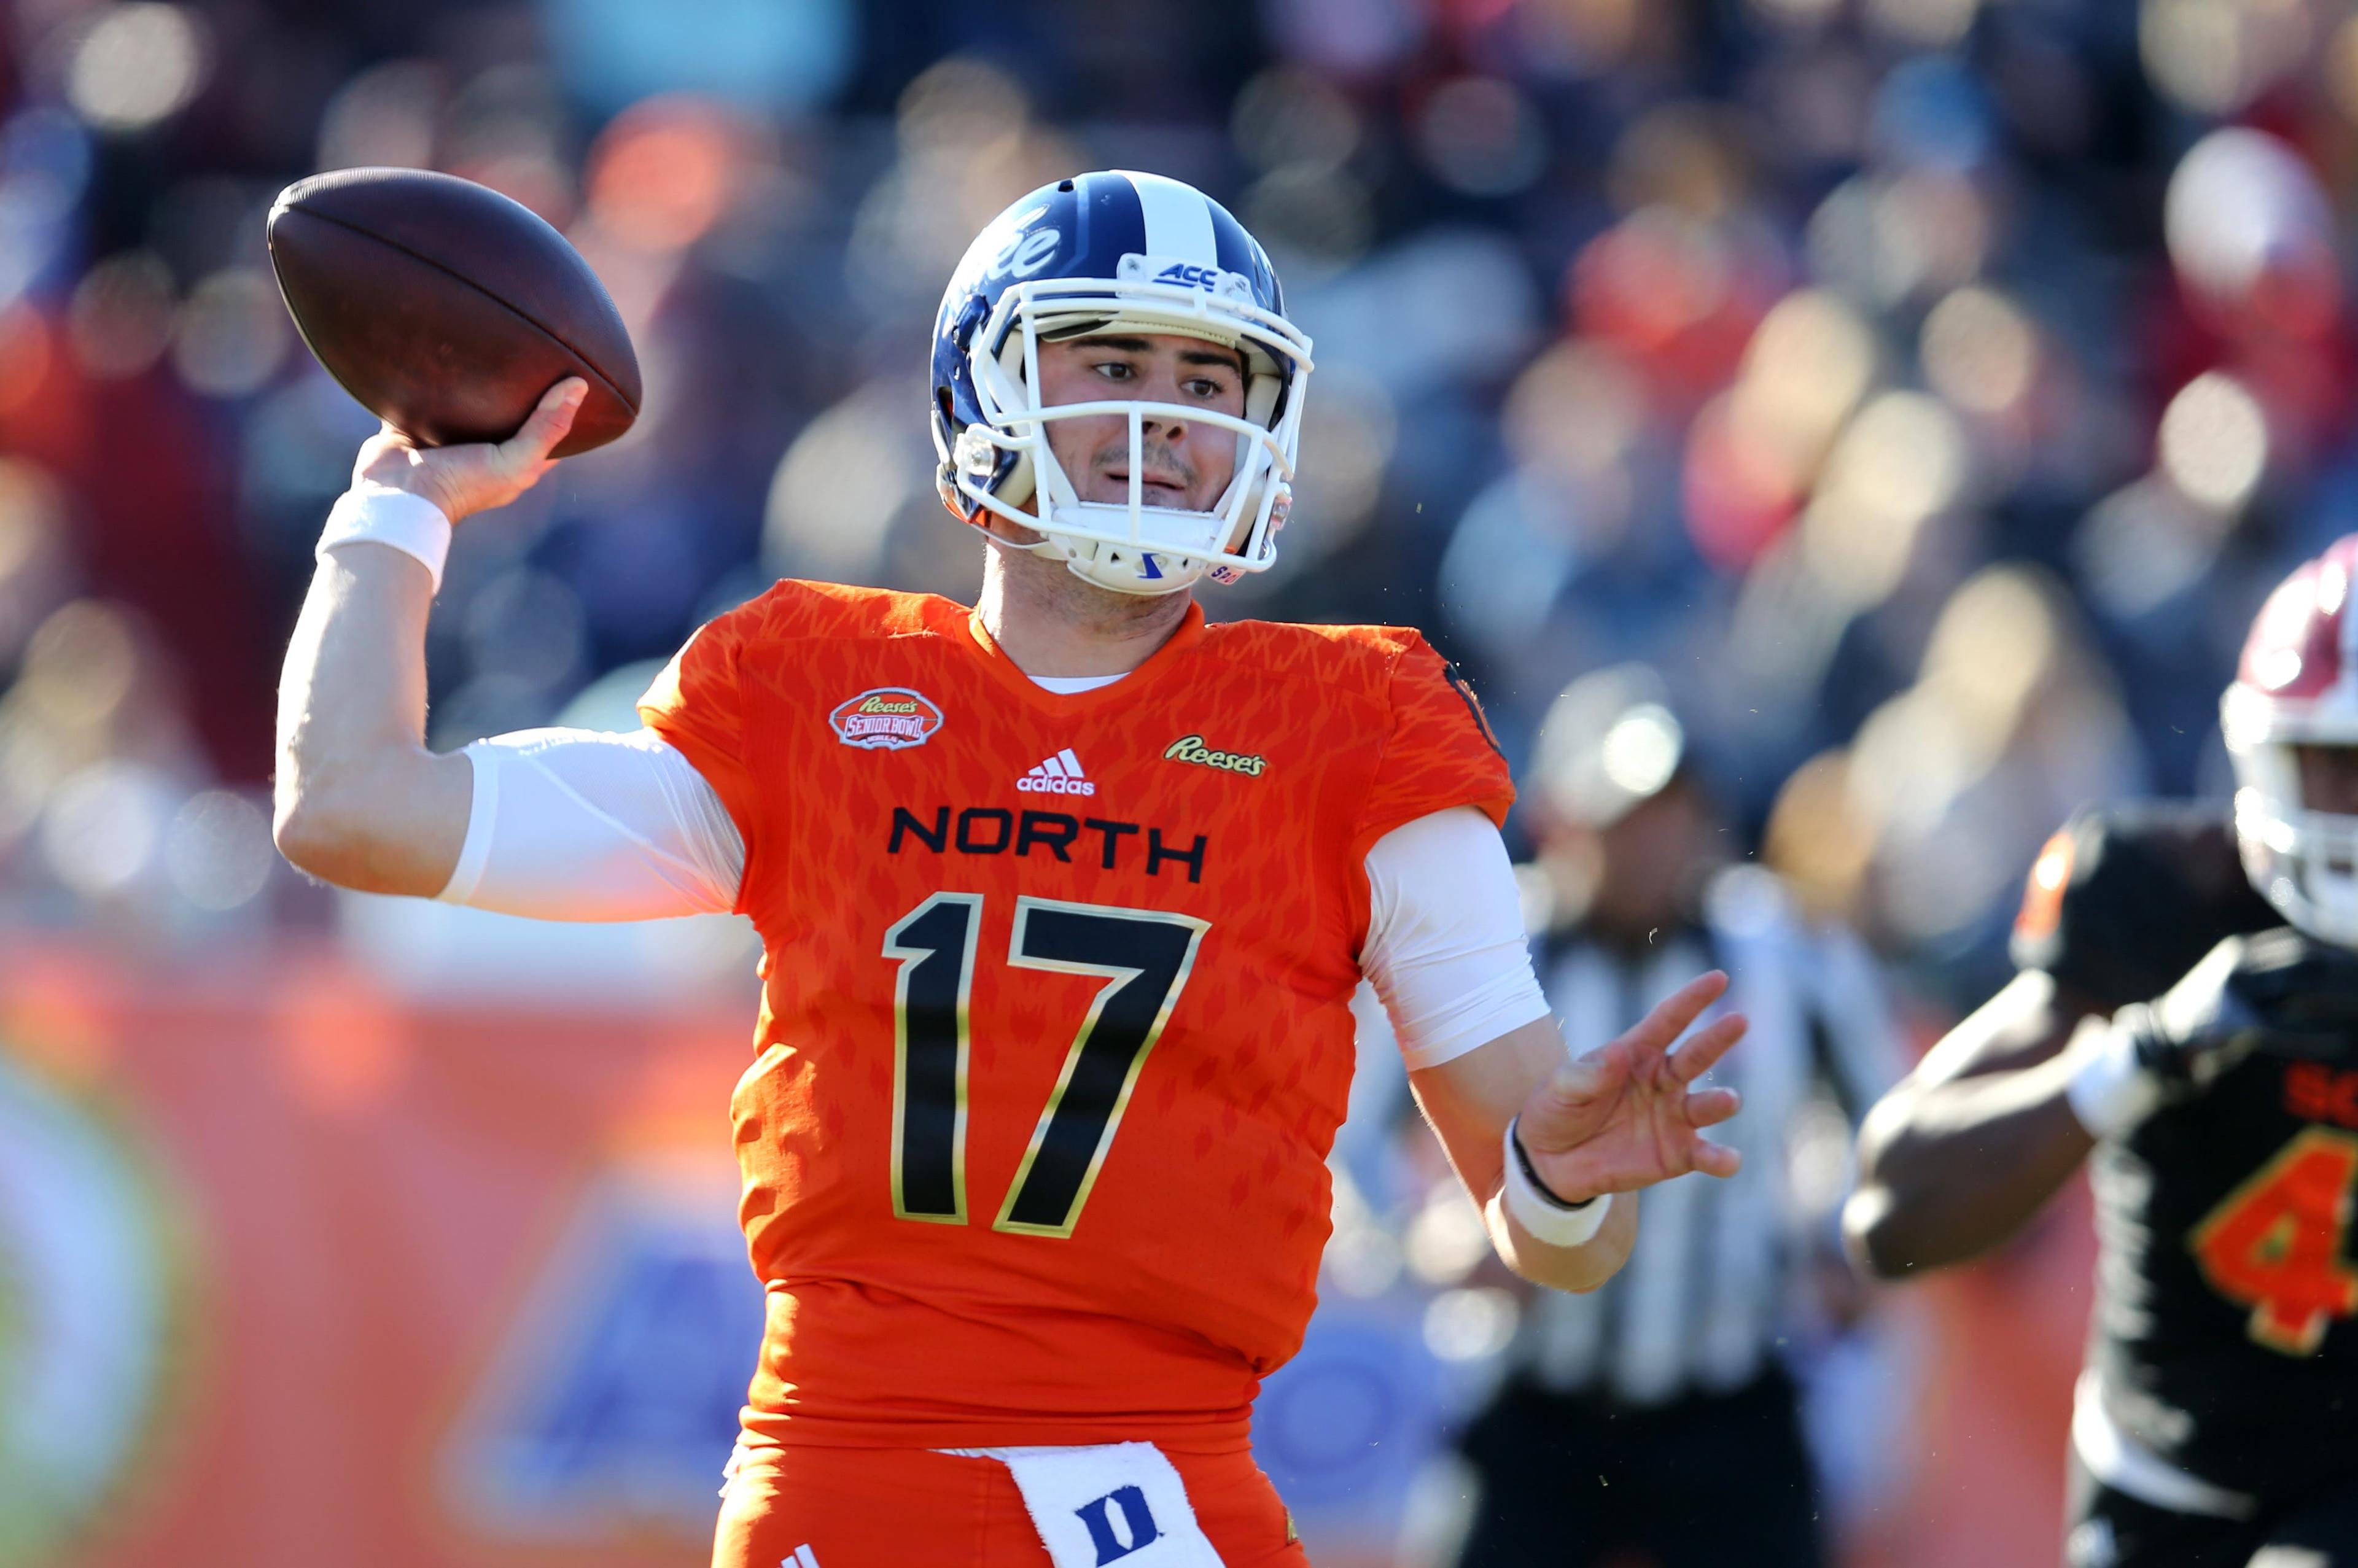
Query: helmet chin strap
(1042, 546)
(1049, 546)
(1077, 566)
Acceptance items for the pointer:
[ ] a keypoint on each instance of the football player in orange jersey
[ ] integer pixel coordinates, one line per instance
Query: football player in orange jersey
(1061, 899)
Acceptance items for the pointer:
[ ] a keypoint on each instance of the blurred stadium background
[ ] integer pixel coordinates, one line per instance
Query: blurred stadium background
(1929, 389)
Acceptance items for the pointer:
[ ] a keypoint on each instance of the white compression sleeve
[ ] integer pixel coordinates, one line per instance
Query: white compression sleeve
(583, 825)
(1445, 948)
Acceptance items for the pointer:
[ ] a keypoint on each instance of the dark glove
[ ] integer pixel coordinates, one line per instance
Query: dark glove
(2303, 992)
(2190, 1034)
(2279, 992)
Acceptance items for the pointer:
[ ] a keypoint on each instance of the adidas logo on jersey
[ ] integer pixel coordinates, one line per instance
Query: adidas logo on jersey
(1060, 775)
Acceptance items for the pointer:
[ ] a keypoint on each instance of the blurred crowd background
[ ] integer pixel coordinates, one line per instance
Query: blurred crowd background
(1928, 390)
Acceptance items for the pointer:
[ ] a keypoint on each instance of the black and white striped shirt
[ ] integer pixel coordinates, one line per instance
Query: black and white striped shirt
(1702, 1299)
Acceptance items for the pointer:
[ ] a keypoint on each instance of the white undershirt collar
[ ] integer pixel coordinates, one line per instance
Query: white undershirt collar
(1066, 686)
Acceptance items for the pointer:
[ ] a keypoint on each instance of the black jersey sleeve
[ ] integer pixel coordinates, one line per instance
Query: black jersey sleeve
(2126, 897)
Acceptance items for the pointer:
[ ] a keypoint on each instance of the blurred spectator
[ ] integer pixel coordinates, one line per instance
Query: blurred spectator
(1919, 828)
(1671, 1385)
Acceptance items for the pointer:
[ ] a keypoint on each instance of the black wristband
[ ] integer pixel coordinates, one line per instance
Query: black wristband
(1531, 1174)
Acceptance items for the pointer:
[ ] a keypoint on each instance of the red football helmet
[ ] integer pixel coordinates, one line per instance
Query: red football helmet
(2297, 684)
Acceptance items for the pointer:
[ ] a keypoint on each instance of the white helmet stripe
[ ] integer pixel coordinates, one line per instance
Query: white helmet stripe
(1178, 220)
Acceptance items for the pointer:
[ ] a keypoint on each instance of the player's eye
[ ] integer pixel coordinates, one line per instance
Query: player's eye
(1116, 370)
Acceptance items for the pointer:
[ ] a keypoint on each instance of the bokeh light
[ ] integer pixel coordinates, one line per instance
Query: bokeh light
(1754, 452)
(1471, 1323)
(2252, 234)
(968, 146)
(1807, 367)
(1444, 1241)
(1576, 412)
(217, 851)
(384, 117)
(839, 488)
(1690, 155)
(1584, 39)
(2214, 443)
(25, 354)
(1799, 13)
(1347, 435)
(1892, 241)
(1922, 24)
(233, 334)
(121, 319)
(664, 172)
(1899, 465)
(79, 667)
(509, 128)
(2214, 57)
(1979, 351)
(1641, 749)
(1313, 219)
(2148, 544)
(529, 625)
(1290, 116)
(105, 827)
(1818, 840)
(2340, 66)
(783, 54)
(1922, 767)
(139, 63)
(36, 561)
(1480, 136)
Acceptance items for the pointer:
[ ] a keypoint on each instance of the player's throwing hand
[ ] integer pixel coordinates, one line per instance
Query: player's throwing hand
(478, 477)
(1625, 1117)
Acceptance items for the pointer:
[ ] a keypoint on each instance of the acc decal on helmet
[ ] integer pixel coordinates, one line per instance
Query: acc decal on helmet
(1104, 252)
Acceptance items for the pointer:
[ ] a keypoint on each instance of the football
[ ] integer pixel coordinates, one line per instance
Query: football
(447, 308)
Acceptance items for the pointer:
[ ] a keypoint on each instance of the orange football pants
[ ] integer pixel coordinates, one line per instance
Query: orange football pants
(902, 1507)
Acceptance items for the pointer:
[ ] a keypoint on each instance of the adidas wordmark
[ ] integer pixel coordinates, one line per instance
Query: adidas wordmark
(1060, 775)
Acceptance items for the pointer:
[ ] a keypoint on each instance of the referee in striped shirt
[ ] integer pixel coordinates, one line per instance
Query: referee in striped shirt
(1652, 1421)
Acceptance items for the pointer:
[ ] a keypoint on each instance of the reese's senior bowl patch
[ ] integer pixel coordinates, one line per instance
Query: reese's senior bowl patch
(885, 719)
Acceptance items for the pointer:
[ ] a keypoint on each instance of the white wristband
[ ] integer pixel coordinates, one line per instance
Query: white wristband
(2110, 1091)
(376, 514)
(1543, 1216)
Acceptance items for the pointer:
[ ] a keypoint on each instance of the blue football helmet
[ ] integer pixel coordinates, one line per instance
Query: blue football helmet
(1115, 253)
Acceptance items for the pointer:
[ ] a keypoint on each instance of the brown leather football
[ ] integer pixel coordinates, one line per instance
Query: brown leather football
(447, 309)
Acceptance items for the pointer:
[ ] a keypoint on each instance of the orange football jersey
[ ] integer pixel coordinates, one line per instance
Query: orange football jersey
(1053, 1037)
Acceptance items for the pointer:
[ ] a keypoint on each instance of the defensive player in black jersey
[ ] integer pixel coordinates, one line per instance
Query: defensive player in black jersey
(2200, 1038)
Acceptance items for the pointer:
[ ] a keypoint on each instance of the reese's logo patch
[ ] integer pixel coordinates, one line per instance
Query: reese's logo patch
(885, 719)
(1191, 749)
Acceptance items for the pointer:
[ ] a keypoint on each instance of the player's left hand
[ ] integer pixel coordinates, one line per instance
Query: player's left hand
(2303, 992)
(1625, 1117)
